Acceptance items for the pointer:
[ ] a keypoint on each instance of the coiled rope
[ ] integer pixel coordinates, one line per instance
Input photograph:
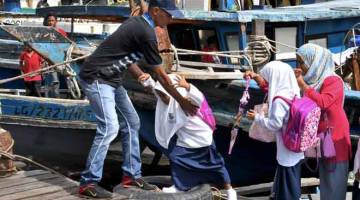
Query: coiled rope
(258, 52)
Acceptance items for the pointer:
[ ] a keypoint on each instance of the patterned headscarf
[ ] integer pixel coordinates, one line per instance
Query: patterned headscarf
(318, 61)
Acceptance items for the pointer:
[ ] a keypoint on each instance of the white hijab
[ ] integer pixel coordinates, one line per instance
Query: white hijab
(169, 118)
(281, 81)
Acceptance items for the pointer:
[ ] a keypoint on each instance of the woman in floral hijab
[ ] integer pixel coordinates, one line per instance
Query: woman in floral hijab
(318, 81)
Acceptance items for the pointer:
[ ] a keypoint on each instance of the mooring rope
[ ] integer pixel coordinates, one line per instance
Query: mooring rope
(217, 193)
(15, 157)
(257, 53)
(72, 83)
(41, 70)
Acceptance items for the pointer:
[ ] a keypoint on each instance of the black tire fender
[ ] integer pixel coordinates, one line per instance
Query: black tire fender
(200, 192)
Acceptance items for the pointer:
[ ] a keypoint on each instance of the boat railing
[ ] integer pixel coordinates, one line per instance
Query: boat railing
(12, 91)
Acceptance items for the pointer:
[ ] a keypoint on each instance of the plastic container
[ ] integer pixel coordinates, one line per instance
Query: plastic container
(354, 41)
(12, 6)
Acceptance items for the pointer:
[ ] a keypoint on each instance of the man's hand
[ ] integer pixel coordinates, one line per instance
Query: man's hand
(165, 81)
(188, 107)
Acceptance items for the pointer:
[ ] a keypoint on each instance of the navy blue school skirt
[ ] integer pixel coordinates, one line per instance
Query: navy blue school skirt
(191, 167)
(287, 184)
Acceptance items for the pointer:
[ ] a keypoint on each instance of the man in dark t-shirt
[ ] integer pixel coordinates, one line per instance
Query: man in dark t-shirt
(101, 79)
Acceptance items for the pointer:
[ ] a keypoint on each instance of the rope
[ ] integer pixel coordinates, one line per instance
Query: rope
(71, 81)
(15, 157)
(41, 70)
(262, 43)
(179, 51)
(217, 193)
(257, 53)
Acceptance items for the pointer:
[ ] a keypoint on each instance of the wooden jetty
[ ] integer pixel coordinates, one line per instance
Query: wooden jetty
(44, 185)
(40, 184)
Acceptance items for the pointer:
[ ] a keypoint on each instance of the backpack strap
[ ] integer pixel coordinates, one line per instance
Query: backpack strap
(288, 101)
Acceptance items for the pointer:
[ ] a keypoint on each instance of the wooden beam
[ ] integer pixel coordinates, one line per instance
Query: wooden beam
(203, 65)
(206, 75)
(258, 27)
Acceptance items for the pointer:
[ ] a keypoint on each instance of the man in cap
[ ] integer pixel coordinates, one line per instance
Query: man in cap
(101, 79)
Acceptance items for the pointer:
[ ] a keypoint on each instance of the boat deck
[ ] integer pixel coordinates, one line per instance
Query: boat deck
(40, 184)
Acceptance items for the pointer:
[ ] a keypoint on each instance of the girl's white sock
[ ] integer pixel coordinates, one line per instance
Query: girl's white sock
(231, 194)
(171, 189)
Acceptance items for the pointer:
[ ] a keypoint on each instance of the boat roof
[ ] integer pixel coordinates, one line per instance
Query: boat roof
(317, 11)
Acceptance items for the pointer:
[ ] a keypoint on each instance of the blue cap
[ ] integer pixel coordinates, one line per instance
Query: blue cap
(168, 6)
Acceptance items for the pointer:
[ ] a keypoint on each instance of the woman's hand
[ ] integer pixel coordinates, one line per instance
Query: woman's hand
(300, 79)
(251, 115)
(251, 74)
(357, 176)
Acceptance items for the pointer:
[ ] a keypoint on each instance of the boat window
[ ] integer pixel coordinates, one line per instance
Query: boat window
(285, 35)
(209, 43)
(321, 41)
(232, 42)
(194, 39)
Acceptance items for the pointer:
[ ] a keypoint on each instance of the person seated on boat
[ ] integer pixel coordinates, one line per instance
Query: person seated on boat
(31, 61)
(42, 4)
(280, 80)
(192, 152)
(318, 81)
(211, 46)
(52, 82)
(51, 20)
(101, 78)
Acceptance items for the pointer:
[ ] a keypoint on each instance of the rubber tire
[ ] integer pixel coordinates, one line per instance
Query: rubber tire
(200, 192)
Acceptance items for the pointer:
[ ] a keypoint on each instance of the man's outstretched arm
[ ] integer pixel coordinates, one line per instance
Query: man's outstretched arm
(165, 81)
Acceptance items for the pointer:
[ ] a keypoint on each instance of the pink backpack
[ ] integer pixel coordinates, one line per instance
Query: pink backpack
(206, 114)
(301, 129)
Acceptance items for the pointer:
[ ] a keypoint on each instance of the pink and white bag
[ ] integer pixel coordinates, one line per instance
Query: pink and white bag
(257, 132)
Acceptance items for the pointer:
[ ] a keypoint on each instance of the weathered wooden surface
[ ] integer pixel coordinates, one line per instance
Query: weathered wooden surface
(39, 184)
(266, 187)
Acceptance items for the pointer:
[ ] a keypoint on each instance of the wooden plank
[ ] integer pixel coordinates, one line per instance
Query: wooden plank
(70, 197)
(258, 27)
(119, 196)
(211, 75)
(266, 187)
(22, 174)
(39, 191)
(213, 65)
(25, 180)
(31, 186)
(55, 195)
